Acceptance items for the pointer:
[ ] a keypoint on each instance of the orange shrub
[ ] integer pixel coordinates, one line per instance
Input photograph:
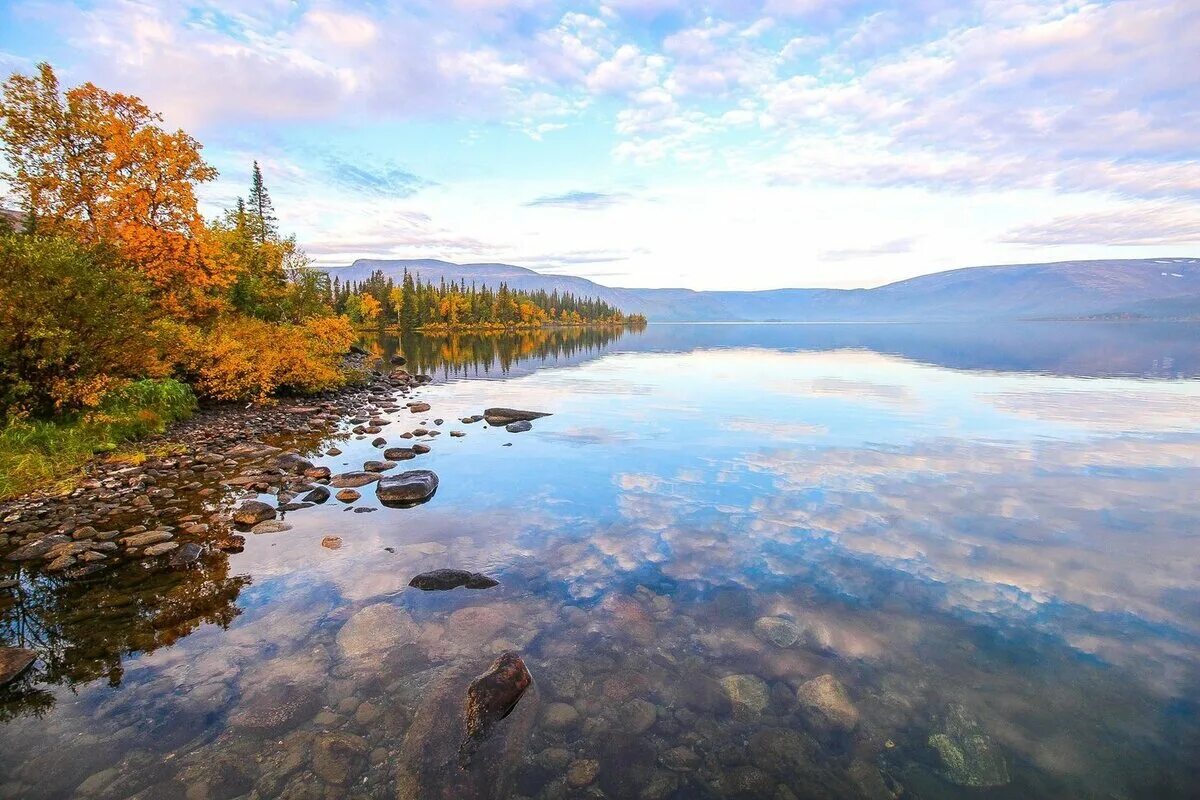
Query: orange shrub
(249, 359)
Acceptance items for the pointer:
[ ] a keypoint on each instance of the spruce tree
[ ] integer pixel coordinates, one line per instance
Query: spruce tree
(262, 212)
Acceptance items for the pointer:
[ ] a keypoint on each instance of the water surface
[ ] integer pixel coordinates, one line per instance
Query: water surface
(739, 560)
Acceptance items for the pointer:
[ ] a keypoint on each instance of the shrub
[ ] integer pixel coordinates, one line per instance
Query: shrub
(239, 358)
(72, 324)
(36, 453)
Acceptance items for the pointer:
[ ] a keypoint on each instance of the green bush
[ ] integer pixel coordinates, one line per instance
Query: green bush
(38, 454)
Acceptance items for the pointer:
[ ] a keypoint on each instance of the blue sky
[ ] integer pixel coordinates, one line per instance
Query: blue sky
(738, 144)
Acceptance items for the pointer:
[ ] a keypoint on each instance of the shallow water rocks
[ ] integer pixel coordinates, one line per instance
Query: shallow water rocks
(276, 708)
(352, 480)
(407, 489)
(518, 427)
(251, 512)
(968, 756)
(187, 554)
(446, 579)
(270, 526)
(560, 716)
(827, 696)
(379, 466)
(420, 449)
(497, 417)
(748, 694)
(637, 716)
(318, 494)
(419, 408)
(779, 631)
(337, 757)
(38, 547)
(331, 542)
(13, 662)
(582, 772)
(492, 696)
(293, 462)
(160, 549)
(154, 537)
(375, 630)
(348, 495)
(399, 454)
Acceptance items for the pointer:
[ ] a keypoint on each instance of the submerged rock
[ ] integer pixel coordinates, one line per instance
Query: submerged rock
(827, 696)
(38, 547)
(446, 579)
(374, 631)
(188, 554)
(407, 489)
(13, 662)
(747, 693)
(518, 427)
(252, 512)
(331, 542)
(491, 697)
(779, 631)
(967, 754)
(293, 462)
(503, 416)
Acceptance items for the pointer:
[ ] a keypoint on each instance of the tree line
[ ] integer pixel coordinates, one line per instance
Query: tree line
(413, 304)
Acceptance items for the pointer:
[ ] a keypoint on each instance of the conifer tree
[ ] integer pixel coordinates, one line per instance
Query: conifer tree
(262, 212)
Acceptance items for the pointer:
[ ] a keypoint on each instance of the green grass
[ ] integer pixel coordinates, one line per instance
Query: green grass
(47, 454)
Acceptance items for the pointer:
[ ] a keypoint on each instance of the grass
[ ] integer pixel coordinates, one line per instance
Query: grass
(47, 454)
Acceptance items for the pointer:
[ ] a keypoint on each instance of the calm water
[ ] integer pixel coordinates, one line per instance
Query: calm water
(740, 561)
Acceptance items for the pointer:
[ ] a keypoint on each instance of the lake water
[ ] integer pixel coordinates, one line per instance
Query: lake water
(739, 561)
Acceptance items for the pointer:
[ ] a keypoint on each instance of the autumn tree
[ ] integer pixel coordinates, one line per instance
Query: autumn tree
(96, 165)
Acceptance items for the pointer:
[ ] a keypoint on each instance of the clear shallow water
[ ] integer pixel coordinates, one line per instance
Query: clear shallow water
(740, 561)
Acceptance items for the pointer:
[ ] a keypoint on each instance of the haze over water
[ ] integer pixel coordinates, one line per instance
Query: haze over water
(987, 538)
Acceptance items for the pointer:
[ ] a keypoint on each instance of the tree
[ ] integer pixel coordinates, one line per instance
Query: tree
(263, 224)
(97, 166)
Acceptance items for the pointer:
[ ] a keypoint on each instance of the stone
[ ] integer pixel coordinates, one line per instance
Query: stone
(319, 494)
(231, 543)
(337, 757)
(293, 462)
(150, 538)
(317, 473)
(61, 563)
(446, 579)
(503, 416)
(379, 466)
(967, 754)
(13, 662)
(399, 454)
(779, 631)
(378, 441)
(637, 716)
(251, 512)
(492, 696)
(188, 554)
(374, 631)
(352, 480)
(560, 716)
(747, 693)
(275, 708)
(421, 449)
(407, 489)
(331, 542)
(160, 549)
(271, 526)
(520, 426)
(348, 495)
(457, 434)
(748, 782)
(680, 759)
(419, 408)
(582, 772)
(827, 696)
(38, 547)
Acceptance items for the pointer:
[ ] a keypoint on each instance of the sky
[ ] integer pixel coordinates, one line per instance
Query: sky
(730, 144)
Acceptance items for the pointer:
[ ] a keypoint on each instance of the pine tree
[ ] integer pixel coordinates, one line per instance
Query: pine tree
(262, 212)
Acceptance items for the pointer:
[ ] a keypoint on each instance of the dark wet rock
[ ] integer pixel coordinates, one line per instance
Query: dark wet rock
(352, 480)
(446, 579)
(419, 408)
(317, 473)
(680, 759)
(378, 441)
(13, 662)
(188, 554)
(163, 548)
(491, 697)
(379, 466)
(399, 454)
(407, 489)
(337, 757)
(348, 495)
(8, 583)
(319, 494)
(748, 782)
(421, 449)
(60, 563)
(503, 416)
(364, 510)
(399, 361)
(967, 754)
(293, 463)
(38, 547)
(355, 350)
(333, 451)
(471, 420)
(252, 512)
(518, 427)
(83, 571)
(230, 544)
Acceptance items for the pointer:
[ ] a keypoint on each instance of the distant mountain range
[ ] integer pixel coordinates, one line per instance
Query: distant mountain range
(1162, 288)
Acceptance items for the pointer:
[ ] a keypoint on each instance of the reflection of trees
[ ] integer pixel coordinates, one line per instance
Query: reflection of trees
(462, 354)
(82, 629)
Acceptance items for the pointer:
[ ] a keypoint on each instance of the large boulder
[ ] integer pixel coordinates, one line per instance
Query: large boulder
(491, 697)
(504, 416)
(407, 489)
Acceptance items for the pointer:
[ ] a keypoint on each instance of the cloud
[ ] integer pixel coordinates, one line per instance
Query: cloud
(385, 179)
(583, 201)
(894, 246)
(1160, 224)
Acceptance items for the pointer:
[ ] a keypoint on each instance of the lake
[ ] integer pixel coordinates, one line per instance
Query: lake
(778, 561)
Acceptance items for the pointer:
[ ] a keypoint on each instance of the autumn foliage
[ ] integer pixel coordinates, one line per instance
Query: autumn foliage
(115, 274)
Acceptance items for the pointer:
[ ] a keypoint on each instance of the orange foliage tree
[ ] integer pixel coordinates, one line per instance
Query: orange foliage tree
(96, 165)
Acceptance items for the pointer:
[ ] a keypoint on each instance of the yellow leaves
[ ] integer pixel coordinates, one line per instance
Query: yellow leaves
(370, 308)
(249, 359)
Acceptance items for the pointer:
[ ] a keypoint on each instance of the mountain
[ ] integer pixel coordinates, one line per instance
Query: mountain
(1065, 289)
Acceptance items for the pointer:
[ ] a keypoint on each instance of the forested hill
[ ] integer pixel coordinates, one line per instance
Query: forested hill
(1155, 288)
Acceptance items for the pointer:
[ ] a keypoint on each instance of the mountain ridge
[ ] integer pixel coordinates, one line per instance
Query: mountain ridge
(1063, 289)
